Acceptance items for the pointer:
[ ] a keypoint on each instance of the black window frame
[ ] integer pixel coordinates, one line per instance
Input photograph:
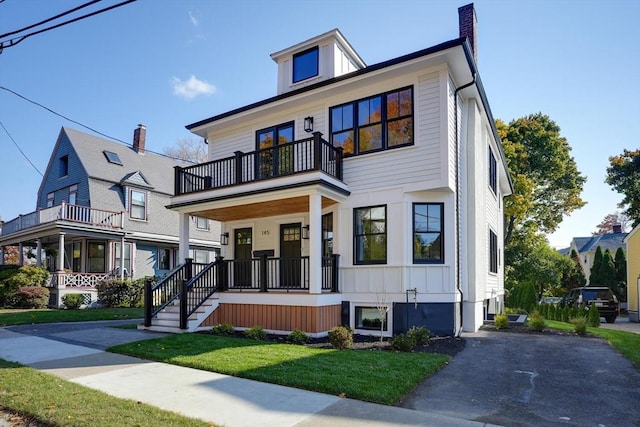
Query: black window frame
(493, 172)
(493, 252)
(358, 258)
(417, 260)
(355, 125)
(308, 74)
(360, 312)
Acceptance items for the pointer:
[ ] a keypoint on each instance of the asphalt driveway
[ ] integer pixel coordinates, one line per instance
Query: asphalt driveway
(519, 379)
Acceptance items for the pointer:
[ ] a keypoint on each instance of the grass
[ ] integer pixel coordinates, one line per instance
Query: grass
(374, 376)
(57, 402)
(10, 317)
(626, 343)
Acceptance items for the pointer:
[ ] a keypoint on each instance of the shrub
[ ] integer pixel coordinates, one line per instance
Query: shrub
(72, 301)
(297, 337)
(564, 314)
(32, 297)
(579, 325)
(256, 332)
(536, 321)
(223, 329)
(514, 310)
(420, 334)
(341, 337)
(593, 317)
(30, 276)
(404, 342)
(501, 321)
(12, 278)
(121, 293)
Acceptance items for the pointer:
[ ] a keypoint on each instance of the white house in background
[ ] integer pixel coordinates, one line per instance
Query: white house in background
(358, 195)
(97, 197)
(586, 248)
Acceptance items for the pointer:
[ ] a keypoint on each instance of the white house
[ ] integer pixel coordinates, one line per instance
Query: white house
(369, 196)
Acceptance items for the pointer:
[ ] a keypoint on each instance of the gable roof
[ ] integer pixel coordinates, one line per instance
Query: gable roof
(148, 170)
(611, 241)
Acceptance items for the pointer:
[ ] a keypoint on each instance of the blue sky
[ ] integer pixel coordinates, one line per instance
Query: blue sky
(168, 63)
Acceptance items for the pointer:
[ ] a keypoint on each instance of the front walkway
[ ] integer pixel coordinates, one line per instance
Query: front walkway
(75, 352)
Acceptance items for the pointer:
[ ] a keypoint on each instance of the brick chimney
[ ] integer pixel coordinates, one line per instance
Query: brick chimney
(139, 138)
(468, 27)
(617, 228)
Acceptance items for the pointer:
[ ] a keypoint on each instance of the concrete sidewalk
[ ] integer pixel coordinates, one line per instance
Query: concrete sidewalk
(75, 353)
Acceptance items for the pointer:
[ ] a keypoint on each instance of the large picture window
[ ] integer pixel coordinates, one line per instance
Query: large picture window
(370, 235)
(372, 124)
(305, 64)
(428, 241)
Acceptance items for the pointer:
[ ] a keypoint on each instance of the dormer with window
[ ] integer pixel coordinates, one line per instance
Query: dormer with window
(321, 58)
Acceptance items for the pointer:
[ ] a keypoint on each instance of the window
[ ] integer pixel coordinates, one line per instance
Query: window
(371, 318)
(76, 257)
(376, 123)
(370, 235)
(327, 235)
(274, 159)
(112, 157)
(64, 166)
(202, 223)
(428, 241)
(493, 172)
(73, 195)
(305, 64)
(493, 252)
(199, 256)
(50, 199)
(138, 205)
(165, 260)
(96, 260)
(118, 262)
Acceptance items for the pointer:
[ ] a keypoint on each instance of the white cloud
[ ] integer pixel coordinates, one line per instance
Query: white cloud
(191, 88)
(193, 19)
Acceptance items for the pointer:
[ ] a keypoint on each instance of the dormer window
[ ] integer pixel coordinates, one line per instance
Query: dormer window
(305, 64)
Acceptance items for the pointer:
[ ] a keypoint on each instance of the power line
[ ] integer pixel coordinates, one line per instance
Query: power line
(60, 15)
(20, 149)
(85, 126)
(14, 41)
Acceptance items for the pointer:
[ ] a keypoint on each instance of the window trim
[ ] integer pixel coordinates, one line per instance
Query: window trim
(385, 321)
(384, 122)
(356, 251)
(170, 259)
(298, 55)
(73, 194)
(493, 172)
(63, 166)
(201, 218)
(51, 199)
(442, 236)
(146, 204)
(493, 252)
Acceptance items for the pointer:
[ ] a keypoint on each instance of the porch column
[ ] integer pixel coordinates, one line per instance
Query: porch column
(183, 232)
(122, 258)
(38, 253)
(315, 243)
(20, 254)
(61, 252)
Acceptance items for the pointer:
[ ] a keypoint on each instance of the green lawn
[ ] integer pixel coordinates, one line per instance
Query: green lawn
(370, 375)
(9, 317)
(626, 343)
(56, 402)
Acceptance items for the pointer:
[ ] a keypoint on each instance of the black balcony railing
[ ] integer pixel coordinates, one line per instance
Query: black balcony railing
(311, 154)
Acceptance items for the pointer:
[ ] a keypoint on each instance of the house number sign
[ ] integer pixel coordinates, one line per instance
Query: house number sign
(265, 232)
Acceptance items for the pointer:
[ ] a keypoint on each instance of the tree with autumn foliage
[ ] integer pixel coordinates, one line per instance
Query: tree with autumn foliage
(610, 221)
(623, 175)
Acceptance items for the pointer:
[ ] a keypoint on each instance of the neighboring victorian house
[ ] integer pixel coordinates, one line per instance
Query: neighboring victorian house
(632, 242)
(369, 196)
(586, 247)
(97, 198)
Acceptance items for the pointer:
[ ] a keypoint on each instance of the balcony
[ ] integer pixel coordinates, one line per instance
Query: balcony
(311, 154)
(65, 212)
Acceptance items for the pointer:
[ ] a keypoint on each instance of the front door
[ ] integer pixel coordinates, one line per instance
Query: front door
(242, 239)
(290, 253)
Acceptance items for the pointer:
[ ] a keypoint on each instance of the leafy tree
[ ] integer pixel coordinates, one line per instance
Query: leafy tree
(573, 277)
(623, 175)
(595, 278)
(611, 220)
(547, 183)
(11, 255)
(620, 261)
(189, 150)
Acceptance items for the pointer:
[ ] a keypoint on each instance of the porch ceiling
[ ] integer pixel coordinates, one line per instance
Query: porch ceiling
(298, 204)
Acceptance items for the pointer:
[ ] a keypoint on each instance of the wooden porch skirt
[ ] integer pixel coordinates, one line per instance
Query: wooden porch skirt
(277, 317)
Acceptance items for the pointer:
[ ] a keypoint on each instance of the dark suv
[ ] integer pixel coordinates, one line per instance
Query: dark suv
(604, 300)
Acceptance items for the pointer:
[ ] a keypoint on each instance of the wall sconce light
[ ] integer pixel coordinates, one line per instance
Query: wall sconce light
(305, 232)
(308, 124)
(224, 238)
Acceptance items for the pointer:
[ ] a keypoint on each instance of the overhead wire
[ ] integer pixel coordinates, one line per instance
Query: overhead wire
(14, 41)
(20, 149)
